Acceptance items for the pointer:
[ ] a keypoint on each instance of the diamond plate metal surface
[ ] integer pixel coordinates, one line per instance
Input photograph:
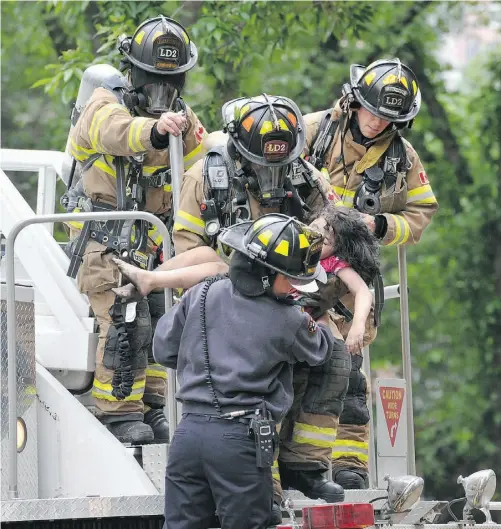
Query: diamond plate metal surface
(67, 508)
(419, 511)
(299, 500)
(26, 394)
(154, 463)
(451, 525)
(364, 495)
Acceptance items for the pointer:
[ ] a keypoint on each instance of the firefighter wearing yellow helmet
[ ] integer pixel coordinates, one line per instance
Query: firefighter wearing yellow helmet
(358, 144)
(120, 141)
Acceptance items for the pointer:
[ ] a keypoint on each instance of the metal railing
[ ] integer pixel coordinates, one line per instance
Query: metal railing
(48, 165)
(11, 315)
(406, 356)
(391, 292)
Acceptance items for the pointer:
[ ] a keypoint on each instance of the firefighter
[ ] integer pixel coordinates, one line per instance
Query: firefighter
(233, 344)
(257, 170)
(122, 138)
(373, 169)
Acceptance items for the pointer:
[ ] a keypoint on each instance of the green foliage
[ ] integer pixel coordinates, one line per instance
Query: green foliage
(303, 50)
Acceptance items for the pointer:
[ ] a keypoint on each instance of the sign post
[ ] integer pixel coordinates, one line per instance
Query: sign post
(391, 415)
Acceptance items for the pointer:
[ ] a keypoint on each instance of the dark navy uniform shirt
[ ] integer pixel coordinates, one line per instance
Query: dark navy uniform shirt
(253, 343)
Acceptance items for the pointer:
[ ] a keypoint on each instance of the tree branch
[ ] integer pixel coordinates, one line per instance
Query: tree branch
(441, 125)
(91, 13)
(416, 9)
(60, 39)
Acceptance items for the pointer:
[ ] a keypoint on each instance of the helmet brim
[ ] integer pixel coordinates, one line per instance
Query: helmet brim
(311, 284)
(401, 119)
(233, 237)
(193, 54)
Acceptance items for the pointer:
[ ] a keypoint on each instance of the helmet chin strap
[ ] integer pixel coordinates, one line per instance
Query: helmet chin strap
(268, 290)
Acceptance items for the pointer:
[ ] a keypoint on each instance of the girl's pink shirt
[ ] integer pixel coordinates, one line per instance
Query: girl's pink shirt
(332, 264)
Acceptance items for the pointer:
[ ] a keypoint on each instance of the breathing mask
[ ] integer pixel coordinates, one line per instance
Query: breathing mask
(267, 183)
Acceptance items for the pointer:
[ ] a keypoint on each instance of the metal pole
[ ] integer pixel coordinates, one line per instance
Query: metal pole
(46, 193)
(176, 158)
(406, 356)
(11, 308)
(372, 441)
(176, 169)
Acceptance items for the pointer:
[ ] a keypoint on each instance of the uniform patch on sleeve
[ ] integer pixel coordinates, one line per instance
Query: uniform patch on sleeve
(423, 178)
(312, 325)
(199, 132)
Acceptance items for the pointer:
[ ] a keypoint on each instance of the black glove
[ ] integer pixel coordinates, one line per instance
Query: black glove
(327, 296)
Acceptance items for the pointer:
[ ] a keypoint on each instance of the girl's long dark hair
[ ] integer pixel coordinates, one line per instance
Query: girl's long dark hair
(353, 241)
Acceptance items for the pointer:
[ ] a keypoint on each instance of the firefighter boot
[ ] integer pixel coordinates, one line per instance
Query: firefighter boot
(134, 432)
(312, 483)
(276, 515)
(352, 478)
(156, 419)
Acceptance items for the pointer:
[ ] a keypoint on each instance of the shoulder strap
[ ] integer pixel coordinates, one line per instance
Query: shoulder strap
(395, 160)
(323, 140)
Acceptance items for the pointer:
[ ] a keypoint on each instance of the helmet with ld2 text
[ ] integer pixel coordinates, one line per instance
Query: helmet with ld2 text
(158, 55)
(266, 134)
(388, 89)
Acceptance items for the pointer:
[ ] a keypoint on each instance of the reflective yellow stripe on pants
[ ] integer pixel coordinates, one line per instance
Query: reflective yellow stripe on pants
(314, 435)
(347, 448)
(156, 371)
(103, 391)
(275, 474)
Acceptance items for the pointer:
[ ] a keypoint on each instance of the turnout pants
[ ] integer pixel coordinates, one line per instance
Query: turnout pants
(216, 474)
(96, 277)
(306, 438)
(351, 449)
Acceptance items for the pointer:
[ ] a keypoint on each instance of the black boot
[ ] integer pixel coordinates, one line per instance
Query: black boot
(134, 432)
(276, 515)
(312, 483)
(156, 419)
(352, 478)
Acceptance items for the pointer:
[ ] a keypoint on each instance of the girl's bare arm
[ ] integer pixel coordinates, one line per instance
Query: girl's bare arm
(186, 277)
(363, 304)
(196, 256)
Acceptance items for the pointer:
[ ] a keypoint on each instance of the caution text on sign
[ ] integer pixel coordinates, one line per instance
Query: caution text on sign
(392, 399)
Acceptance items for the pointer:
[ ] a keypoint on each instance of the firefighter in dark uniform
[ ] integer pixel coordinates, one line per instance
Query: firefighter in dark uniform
(358, 145)
(234, 342)
(257, 170)
(121, 138)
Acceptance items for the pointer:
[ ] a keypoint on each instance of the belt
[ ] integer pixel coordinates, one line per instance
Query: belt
(242, 420)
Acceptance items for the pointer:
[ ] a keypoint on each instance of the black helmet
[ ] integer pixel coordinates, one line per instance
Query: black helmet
(265, 130)
(386, 88)
(268, 134)
(279, 243)
(158, 55)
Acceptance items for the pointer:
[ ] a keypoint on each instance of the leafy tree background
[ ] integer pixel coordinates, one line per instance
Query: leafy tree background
(303, 50)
